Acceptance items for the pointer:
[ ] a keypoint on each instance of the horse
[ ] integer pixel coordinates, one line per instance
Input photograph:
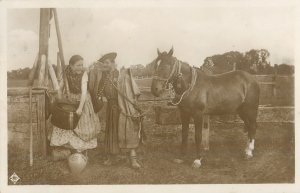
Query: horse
(198, 94)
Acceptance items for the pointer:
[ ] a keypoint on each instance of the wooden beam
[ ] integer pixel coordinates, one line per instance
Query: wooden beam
(42, 120)
(43, 45)
(33, 71)
(41, 78)
(24, 91)
(61, 52)
(44, 31)
(274, 80)
(58, 68)
(53, 77)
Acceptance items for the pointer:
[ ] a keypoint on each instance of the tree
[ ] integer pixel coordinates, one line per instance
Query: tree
(253, 61)
(258, 61)
(224, 62)
(285, 69)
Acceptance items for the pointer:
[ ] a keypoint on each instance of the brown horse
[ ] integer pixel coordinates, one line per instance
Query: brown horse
(198, 93)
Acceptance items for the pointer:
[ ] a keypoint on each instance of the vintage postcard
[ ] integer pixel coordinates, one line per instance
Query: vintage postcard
(131, 96)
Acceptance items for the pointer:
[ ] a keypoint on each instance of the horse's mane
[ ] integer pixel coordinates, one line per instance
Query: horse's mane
(197, 68)
(151, 65)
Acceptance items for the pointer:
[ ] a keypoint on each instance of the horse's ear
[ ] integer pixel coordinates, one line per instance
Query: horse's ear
(171, 51)
(158, 52)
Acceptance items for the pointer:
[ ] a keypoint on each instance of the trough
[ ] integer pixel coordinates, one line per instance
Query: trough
(18, 119)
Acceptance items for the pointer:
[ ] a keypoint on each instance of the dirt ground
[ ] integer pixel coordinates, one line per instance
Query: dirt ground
(273, 162)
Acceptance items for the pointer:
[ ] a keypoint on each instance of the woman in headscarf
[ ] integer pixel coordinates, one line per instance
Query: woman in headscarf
(84, 136)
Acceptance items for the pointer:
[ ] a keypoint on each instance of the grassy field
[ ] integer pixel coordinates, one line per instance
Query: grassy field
(273, 162)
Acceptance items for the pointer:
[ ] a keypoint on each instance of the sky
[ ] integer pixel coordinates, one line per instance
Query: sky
(135, 33)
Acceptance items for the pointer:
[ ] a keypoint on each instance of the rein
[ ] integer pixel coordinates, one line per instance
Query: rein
(187, 91)
(177, 65)
(134, 104)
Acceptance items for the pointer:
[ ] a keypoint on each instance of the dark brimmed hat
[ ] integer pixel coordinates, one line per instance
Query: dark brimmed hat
(110, 56)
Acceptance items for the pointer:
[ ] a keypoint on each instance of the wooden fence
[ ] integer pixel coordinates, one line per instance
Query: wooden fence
(274, 90)
(18, 118)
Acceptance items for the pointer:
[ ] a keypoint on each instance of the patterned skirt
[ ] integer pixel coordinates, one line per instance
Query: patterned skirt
(84, 136)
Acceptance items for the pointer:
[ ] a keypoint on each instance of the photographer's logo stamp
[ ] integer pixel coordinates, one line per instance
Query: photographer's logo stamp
(14, 178)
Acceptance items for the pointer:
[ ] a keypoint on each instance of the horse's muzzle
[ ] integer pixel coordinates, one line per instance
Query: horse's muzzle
(157, 87)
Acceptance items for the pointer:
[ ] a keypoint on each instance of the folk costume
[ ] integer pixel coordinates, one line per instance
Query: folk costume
(84, 136)
(122, 131)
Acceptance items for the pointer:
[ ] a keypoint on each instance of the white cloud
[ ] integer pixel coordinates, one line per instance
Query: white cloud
(135, 33)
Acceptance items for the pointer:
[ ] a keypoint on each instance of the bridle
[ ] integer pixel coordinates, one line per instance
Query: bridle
(176, 67)
(176, 72)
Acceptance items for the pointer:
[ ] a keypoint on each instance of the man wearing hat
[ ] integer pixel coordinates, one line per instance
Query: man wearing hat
(104, 83)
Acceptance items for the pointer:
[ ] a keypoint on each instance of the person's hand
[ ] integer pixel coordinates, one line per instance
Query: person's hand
(79, 111)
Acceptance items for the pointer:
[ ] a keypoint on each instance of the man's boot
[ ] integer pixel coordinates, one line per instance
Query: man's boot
(133, 160)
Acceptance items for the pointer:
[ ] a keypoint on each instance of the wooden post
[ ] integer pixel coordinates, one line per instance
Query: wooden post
(61, 52)
(234, 66)
(274, 80)
(42, 123)
(43, 44)
(205, 132)
(46, 76)
(58, 69)
(44, 31)
(31, 128)
(33, 71)
(41, 79)
(53, 77)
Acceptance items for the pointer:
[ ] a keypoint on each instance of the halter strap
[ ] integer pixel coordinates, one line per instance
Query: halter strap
(191, 87)
(176, 67)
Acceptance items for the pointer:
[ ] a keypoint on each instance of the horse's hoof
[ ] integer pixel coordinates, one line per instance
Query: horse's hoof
(197, 163)
(178, 161)
(248, 154)
(247, 157)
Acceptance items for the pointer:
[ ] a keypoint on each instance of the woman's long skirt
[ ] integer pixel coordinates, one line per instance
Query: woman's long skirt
(84, 136)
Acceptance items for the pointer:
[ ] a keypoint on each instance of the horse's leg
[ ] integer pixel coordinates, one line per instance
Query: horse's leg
(250, 114)
(198, 118)
(185, 120)
(244, 117)
(251, 137)
(250, 109)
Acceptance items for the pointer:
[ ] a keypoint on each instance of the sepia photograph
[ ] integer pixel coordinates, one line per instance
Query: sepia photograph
(156, 93)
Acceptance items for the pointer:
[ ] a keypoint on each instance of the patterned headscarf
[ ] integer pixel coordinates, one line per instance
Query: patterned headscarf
(74, 79)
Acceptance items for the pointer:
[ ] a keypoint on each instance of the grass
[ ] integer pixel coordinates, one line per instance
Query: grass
(273, 162)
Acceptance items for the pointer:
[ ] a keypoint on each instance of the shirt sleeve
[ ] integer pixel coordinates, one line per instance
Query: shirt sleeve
(84, 81)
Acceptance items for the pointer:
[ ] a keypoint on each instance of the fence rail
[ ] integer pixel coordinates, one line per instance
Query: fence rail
(275, 90)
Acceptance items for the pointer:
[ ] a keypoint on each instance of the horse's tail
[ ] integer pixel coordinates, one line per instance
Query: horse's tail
(249, 108)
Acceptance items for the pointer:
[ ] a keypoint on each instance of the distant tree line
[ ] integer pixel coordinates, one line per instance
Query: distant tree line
(253, 61)
(140, 70)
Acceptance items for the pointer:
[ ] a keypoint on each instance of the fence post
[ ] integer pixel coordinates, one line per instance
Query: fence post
(205, 132)
(274, 80)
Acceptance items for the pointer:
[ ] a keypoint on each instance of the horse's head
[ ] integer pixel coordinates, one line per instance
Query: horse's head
(163, 66)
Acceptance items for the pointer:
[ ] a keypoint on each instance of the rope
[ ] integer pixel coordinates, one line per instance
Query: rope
(187, 91)
(133, 103)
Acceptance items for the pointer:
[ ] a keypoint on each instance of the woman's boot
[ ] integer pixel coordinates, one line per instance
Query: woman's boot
(108, 160)
(133, 160)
